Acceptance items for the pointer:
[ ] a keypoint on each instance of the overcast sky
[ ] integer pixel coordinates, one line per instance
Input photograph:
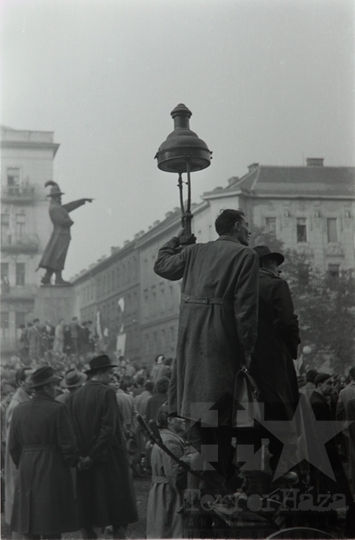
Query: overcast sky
(267, 81)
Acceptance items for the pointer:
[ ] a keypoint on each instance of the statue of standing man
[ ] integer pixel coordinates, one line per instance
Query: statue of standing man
(54, 255)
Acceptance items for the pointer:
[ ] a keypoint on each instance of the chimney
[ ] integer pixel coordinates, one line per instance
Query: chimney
(314, 162)
(253, 166)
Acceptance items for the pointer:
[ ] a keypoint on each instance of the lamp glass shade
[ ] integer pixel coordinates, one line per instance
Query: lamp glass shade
(182, 146)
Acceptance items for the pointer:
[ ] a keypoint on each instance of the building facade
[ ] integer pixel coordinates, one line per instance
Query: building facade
(310, 208)
(108, 295)
(26, 164)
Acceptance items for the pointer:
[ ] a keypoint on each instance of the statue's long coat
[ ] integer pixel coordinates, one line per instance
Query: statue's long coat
(276, 345)
(56, 250)
(42, 446)
(105, 491)
(218, 321)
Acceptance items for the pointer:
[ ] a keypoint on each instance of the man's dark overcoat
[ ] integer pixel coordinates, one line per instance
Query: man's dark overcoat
(42, 446)
(55, 252)
(218, 320)
(105, 492)
(276, 345)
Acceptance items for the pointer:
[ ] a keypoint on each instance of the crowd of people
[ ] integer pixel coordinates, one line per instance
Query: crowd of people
(104, 494)
(37, 340)
(73, 444)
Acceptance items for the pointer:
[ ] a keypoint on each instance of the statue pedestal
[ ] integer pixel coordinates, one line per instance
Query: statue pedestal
(53, 303)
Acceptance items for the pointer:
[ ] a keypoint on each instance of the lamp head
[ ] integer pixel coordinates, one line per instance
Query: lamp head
(183, 145)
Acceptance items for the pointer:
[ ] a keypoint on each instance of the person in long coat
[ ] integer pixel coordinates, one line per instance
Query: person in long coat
(22, 394)
(104, 483)
(35, 340)
(58, 344)
(168, 481)
(43, 448)
(276, 345)
(54, 255)
(217, 324)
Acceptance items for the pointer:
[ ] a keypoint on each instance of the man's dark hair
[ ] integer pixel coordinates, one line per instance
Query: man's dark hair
(35, 320)
(352, 372)
(227, 219)
(123, 385)
(21, 374)
(149, 386)
(311, 375)
(162, 385)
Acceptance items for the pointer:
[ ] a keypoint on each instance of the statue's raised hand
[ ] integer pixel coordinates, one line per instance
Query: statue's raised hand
(89, 200)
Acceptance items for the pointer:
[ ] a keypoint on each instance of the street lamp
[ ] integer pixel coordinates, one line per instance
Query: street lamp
(183, 152)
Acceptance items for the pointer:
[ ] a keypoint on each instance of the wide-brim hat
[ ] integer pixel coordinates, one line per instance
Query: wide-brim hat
(55, 189)
(100, 362)
(73, 378)
(265, 251)
(43, 375)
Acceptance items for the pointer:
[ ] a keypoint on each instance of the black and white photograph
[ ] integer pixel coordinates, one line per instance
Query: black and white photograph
(177, 269)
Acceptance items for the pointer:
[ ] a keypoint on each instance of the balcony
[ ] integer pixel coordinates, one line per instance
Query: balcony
(18, 292)
(334, 250)
(18, 194)
(27, 243)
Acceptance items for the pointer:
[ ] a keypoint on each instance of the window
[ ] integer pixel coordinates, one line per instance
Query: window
(271, 225)
(301, 230)
(20, 273)
(20, 318)
(5, 285)
(4, 323)
(332, 232)
(13, 177)
(20, 225)
(5, 229)
(333, 270)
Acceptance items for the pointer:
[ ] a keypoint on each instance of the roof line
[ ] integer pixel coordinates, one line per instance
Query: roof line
(278, 196)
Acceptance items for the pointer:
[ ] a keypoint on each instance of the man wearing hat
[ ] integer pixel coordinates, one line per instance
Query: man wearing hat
(43, 448)
(72, 381)
(54, 255)
(164, 519)
(275, 348)
(104, 484)
(22, 394)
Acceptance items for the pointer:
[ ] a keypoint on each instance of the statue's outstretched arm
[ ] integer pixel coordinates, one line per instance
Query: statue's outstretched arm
(75, 204)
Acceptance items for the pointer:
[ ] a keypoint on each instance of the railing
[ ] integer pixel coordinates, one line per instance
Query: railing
(26, 243)
(18, 193)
